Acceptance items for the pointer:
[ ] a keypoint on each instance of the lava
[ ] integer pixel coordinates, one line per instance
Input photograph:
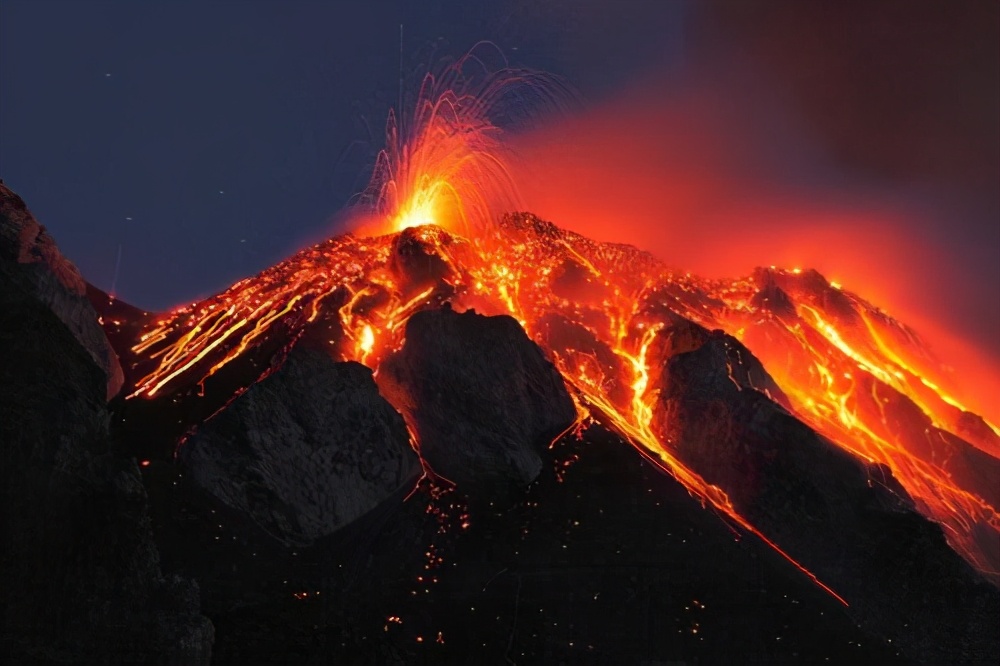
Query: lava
(830, 353)
(446, 164)
(441, 191)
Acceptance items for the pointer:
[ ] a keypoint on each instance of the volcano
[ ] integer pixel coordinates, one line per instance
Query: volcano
(467, 435)
(499, 443)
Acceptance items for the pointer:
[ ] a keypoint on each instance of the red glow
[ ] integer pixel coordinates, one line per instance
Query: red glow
(698, 182)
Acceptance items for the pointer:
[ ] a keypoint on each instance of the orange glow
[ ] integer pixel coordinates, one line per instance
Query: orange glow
(367, 342)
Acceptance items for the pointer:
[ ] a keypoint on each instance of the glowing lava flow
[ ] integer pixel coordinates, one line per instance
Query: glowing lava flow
(597, 308)
(520, 275)
(617, 297)
(635, 426)
(827, 350)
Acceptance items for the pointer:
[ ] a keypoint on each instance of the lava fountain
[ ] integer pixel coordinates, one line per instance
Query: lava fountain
(446, 163)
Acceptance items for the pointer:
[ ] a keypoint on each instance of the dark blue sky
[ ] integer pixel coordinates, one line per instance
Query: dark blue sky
(231, 133)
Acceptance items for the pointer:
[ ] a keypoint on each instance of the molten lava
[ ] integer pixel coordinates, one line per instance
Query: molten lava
(852, 372)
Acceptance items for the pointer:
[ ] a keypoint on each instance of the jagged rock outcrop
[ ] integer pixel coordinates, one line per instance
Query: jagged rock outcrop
(483, 398)
(741, 366)
(34, 268)
(80, 580)
(851, 523)
(305, 451)
(770, 297)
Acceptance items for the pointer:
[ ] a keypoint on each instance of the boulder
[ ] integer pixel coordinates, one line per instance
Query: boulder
(306, 450)
(482, 397)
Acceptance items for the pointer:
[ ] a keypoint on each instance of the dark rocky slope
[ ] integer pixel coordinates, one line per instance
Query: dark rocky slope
(33, 266)
(604, 559)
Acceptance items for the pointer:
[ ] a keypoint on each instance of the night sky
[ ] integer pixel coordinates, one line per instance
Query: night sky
(204, 141)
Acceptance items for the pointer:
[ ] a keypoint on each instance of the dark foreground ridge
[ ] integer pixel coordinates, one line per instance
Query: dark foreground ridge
(81, 579)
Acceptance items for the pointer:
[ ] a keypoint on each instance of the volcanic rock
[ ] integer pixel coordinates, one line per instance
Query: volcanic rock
(80, 580)
(416, 256)
(712, 403)
(807, 286)
(849, 522)
(305, 451)
(482, 397)
(33, 267)
(974, 428)
(742, 368)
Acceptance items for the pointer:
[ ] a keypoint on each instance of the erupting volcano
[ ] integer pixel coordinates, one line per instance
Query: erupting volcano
(785, 404)
(607, 315)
